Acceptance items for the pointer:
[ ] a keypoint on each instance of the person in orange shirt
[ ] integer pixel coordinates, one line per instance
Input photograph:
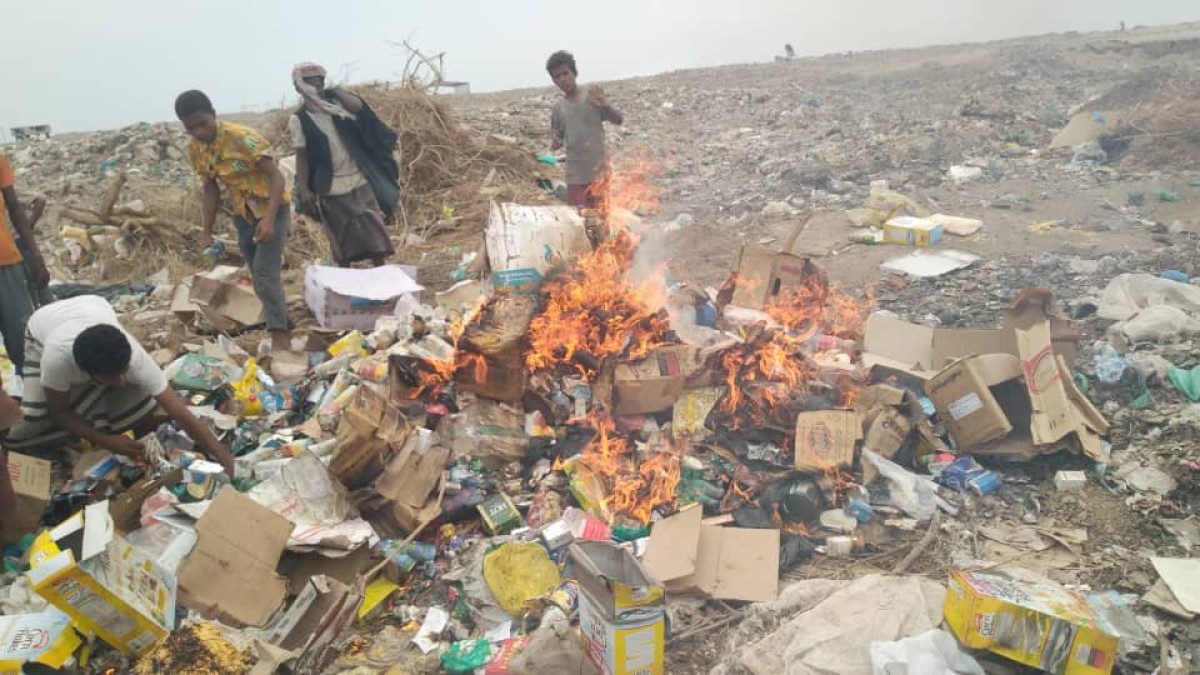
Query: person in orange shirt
(15, 303)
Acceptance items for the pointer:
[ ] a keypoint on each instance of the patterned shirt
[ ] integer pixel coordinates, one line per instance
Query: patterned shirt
(232, 160)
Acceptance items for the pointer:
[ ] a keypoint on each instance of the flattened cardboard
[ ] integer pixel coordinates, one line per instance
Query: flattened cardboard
(652, 384)
(30, 479)
(232, 567)
(826, 439)
(227, 302)
(725, 563)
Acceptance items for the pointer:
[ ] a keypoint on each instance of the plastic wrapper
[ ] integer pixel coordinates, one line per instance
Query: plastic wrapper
(519, 572)
(933, 652)
(912, 494)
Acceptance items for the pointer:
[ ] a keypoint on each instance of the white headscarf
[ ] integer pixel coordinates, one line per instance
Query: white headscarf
(312, 101)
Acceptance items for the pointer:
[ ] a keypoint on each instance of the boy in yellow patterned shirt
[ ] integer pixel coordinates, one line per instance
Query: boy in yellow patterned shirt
(236, 165)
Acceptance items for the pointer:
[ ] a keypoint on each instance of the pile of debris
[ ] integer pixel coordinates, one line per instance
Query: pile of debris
(537, 450)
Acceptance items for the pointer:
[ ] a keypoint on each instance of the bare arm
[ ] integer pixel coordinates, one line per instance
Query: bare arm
(196, 429)
(208, 207)
(556, 131)
(352, 103)
(306, 196)
(16, 216)
(613, 115)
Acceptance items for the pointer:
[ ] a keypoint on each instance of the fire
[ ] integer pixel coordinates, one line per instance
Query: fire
(635, 488)
(776, 365)
(593, 313)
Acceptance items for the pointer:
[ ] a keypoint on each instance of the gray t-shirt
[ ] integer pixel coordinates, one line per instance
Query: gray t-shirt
(580, 126)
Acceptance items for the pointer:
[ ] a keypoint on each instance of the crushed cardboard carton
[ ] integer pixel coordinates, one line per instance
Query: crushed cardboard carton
(106, 586)
(725, 563)
(321, 610)
(765, 274)
(353, 299)
(1038, 624)
(912, 231)
(654, 383)
(412, 484)
(232, 567)
(226, 299)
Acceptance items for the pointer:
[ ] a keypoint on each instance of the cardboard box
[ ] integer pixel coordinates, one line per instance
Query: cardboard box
(361, 443)
(962, 393)
(622, 647)
(826, 439)
(232, 567)
(725, 563)
(94, 598)
(30, 478)
(45, 638)
(226, 298)
(525, 242)
(912, 231)
(620, 587)
(343, 298)
(1041, 625)
(652, 384)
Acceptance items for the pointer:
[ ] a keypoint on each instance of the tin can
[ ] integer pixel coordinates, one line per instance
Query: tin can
(985, 483)
(839, 547)
(566, 597)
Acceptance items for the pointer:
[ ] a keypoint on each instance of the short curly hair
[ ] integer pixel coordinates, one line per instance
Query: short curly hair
(103, 350)
(193, 101)
(558, 60)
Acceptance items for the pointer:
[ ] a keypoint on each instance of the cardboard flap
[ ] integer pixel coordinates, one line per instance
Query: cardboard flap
(232, 567)
(1052, 418)
(674, 545)
(899, 342)
(738, 563)
(30, 476)
(996, 368)
(1092, 418)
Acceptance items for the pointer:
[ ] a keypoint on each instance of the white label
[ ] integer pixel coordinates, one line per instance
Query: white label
(965, 406)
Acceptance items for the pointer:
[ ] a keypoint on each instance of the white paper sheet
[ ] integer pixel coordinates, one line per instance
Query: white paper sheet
(376, 283)
(1182, 576)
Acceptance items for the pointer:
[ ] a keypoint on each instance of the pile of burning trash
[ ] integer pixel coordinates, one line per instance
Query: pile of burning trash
(568, 437)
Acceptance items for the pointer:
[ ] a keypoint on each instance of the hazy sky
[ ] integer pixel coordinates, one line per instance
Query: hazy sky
(81, 64)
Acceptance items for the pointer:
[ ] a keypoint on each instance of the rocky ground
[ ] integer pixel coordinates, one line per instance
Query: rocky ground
(746, 149)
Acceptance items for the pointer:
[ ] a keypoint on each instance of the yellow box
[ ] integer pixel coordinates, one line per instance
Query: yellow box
(911, 231)
(92, 607)
(1040, 625)
(622, 647)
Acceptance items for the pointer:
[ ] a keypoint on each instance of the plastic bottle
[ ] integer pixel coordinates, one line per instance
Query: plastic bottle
(827, 343)
(215, 252)
(278, 400)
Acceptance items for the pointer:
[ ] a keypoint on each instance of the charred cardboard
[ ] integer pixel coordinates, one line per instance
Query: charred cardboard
(765, 274)
(826, 439)
(232, 567)
(654, 383)
(725, 563)
(30, 479)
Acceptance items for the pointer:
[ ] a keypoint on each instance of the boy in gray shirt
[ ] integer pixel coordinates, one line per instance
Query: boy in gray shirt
(578, 123)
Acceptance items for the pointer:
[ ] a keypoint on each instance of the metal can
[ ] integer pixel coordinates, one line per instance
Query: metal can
(985, 483)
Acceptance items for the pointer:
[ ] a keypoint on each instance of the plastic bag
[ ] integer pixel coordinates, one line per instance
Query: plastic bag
(912, 494)
(466, 656)
(933, 652)
(246, 392)
(519, 572)
(893, 204)
(1186, 381)
(1160, 323)
(1109, 364)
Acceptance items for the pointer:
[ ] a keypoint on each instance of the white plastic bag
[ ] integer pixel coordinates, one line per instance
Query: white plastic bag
(912, 494)
(934, 652)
